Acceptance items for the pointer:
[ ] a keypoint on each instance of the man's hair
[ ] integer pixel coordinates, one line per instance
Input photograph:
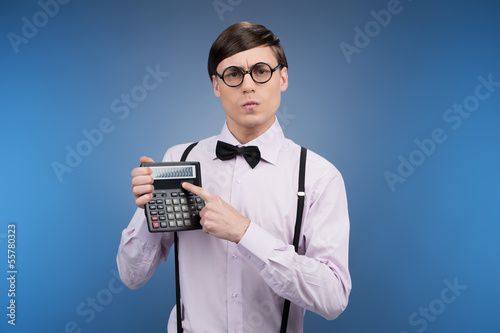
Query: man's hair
(241, 37)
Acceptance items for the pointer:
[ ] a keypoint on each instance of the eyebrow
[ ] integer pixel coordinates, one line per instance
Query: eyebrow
(250, 65)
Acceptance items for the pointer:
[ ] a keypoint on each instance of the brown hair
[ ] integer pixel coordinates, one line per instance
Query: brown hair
(241, 37)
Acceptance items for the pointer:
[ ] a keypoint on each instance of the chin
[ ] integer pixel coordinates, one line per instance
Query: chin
(256, 120)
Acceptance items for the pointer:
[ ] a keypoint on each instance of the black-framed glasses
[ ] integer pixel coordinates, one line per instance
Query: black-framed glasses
(260, 73)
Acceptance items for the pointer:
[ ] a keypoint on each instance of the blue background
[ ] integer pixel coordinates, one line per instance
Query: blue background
(362, 112)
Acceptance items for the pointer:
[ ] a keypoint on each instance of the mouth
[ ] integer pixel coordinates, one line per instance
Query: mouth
(250, 105)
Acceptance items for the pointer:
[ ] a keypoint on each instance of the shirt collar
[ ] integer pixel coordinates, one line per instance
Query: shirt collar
(269, 142)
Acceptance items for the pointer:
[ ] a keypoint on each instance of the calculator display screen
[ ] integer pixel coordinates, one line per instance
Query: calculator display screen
(174, 172)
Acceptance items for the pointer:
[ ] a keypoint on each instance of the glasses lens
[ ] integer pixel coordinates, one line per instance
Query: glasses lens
(232, 76)
(261, 72)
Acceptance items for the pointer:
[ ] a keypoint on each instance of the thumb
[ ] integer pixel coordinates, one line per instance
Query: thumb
(145, 159)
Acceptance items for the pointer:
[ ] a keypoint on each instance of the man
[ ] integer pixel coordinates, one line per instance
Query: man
(236, 272)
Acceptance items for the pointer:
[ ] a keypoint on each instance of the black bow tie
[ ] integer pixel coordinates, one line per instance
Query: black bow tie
(225, 151)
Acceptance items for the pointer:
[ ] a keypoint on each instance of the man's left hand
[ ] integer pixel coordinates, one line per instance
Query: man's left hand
(218, 218)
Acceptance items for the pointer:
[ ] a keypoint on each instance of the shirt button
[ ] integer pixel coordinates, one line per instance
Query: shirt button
(235, 256)
(235, 295)
(239, 181)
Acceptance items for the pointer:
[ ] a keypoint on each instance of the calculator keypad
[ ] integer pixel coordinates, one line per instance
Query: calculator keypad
(173, 210)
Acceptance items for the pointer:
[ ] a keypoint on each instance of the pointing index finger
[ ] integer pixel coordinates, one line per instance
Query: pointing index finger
(199, 191)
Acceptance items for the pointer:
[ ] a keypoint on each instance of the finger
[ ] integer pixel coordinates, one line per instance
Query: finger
(142, 189)
(199, 191)
(145, 159)
(203, 227)
(141, 171)
(202, 212)
(143, 200)
(142, 180)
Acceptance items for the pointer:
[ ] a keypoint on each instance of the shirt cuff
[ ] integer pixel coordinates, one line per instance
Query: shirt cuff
(258, 245)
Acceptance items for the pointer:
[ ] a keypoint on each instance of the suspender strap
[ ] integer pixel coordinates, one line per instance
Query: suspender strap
(298, 223)
(300, 197)
(177, 285)
(187, 151)
(176, 248)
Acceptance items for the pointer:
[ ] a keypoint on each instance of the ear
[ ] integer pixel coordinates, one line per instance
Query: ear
(283, 79)
(215, 83)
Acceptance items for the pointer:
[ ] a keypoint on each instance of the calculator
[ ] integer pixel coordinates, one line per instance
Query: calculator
(172, 208)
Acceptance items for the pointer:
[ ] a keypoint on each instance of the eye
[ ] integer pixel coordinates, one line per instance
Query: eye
(232, 73)
(261, 70)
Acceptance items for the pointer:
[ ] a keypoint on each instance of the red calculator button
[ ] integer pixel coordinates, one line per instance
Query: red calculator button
(154, 218)
(156, 225)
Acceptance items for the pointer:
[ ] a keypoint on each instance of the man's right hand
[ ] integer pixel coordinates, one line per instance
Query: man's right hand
(142, 183)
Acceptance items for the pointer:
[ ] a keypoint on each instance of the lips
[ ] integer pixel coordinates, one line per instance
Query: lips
(250, 105)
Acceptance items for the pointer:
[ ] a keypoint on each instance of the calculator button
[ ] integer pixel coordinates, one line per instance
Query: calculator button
(161, 212)
(179, 223)
(154, 218)
(200, 207)
(198, 199)
(174, 194)
(182, 194)
(183, 201)
(192, 207)
(170, 209)
(187, 222)
(178, 216)
(185, 215)
(159, 201)
(175, 201)
(168, 201)
(152, 207)
(177, 208)
(171, 223)
(153, 212)
(152, 202)
(163, 224)
(156, 225)
(184, 208)
(171, 216)
(191, 200)
(162, 218)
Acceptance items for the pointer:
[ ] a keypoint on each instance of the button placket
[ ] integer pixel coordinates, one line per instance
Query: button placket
(234, 262)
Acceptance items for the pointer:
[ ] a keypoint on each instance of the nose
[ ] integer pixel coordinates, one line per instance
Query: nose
(248, 84)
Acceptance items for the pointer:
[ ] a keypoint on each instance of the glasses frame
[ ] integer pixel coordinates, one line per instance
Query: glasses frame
(247, 72)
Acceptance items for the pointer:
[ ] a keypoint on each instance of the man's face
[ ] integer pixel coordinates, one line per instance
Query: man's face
(250, 107)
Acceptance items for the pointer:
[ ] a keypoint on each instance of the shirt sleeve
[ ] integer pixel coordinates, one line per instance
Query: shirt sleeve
(317, 279)
(140, 251)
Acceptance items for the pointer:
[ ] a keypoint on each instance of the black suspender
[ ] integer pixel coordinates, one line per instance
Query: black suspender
(176, 247)
(296, 237)
(298, 223)
(187, 151)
